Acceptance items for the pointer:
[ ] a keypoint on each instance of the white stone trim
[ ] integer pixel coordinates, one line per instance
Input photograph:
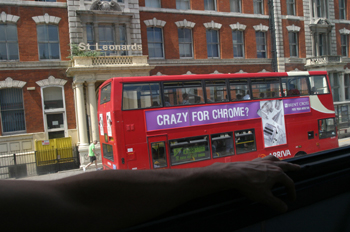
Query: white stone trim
(344, 31)
(212, 25)
(185, 24)
(293, 28)
(51, 81)
(261, 27)
(7, 18)
(47, 19)
(238, 27)
(10, 83)
(154, 23)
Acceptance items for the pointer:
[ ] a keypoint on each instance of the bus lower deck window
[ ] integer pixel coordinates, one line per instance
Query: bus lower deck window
(222, 145)
(326, 128)
(188, 150)
(245, 141)
(159, 155)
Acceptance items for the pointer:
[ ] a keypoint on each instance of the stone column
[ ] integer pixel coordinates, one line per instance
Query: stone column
(82, 130)
(93, 110)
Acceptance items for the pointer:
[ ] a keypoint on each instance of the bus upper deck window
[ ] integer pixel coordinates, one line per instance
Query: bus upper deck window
(216, 91)
(183, 93)
(138, 96)
(318, 85)
(295, 86)
(266, 88)
(239, 90)
(105, 94)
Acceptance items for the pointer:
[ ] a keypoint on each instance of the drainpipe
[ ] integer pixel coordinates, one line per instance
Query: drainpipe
(273, 35)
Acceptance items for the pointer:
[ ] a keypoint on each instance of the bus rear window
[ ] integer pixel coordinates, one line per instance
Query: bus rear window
(105, 94)
(189, 150)
(139, 96)
(108, 151)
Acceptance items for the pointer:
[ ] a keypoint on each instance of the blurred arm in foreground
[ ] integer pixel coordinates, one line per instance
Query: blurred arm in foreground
(123, 198)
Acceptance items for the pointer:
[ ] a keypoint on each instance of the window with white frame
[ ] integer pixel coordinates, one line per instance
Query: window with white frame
(342, 9)
(213, 43)
(155, 42)
(334, 79)
(344, 44)
(258, 6)
(322, 44)
(235, 5)
(347, 86)
(54, 111)
(238, 44)
(183, 4)
(209, 5)
(12, 111)
(290, 7)
(8, 42)
(185, 42)
(319, 8)
(260, 44)
(106, 35)
(152, 3)
(293, 43)
(48, 42)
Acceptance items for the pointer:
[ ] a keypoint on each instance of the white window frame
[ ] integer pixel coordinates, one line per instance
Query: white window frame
(153, 3)
(344, 44)
(183, 4)
(191, 43)
(10, 42)
(258, 6)
(347, 86)
(342, 9)
(206, 5)
(236, 3)
(162, 43)
(293, 46)
(320, 11)
(291, 7)
(217, 44)
(265, 44)
(238, 44)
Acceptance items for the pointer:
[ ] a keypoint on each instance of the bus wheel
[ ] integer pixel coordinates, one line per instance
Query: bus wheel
(300, 153)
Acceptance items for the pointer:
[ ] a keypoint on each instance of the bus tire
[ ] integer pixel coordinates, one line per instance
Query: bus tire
(300, 153)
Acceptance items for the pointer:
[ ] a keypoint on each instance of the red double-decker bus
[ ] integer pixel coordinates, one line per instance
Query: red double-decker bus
(190, 121)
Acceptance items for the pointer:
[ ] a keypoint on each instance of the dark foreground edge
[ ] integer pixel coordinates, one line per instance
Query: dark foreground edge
(323, 184)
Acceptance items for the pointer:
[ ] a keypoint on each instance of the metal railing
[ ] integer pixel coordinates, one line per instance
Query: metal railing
(30, 163)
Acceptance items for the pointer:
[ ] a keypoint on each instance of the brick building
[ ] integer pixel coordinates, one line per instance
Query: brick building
(35, 94)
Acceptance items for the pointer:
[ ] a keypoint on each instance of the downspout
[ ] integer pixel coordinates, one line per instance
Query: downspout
(273, 36)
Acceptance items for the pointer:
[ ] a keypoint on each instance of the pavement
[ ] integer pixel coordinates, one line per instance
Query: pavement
(62, 174)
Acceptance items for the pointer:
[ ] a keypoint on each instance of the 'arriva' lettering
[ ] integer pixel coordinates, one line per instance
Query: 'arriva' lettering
(281, 154)
(172, 119)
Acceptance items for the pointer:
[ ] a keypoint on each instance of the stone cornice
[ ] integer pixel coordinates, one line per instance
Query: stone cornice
(33, 3)
(16, 65)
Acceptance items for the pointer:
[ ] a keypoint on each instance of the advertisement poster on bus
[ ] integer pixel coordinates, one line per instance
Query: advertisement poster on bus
(101, 125)
(272, 117)
(109, 126)
(272, 113)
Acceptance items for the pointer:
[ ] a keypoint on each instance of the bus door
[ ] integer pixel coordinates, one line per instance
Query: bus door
(158, 147)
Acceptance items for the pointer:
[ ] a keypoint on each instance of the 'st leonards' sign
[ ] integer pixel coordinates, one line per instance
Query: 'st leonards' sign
(133, 47)
(191, 116)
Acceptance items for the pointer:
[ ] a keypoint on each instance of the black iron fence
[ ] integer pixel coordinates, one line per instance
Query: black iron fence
(30, 163)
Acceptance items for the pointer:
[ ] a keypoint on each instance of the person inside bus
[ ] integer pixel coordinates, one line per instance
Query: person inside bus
(247, 96)
(167, 101)
(185, 100)
(124, 198)
(292, 91)
(314, 90)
